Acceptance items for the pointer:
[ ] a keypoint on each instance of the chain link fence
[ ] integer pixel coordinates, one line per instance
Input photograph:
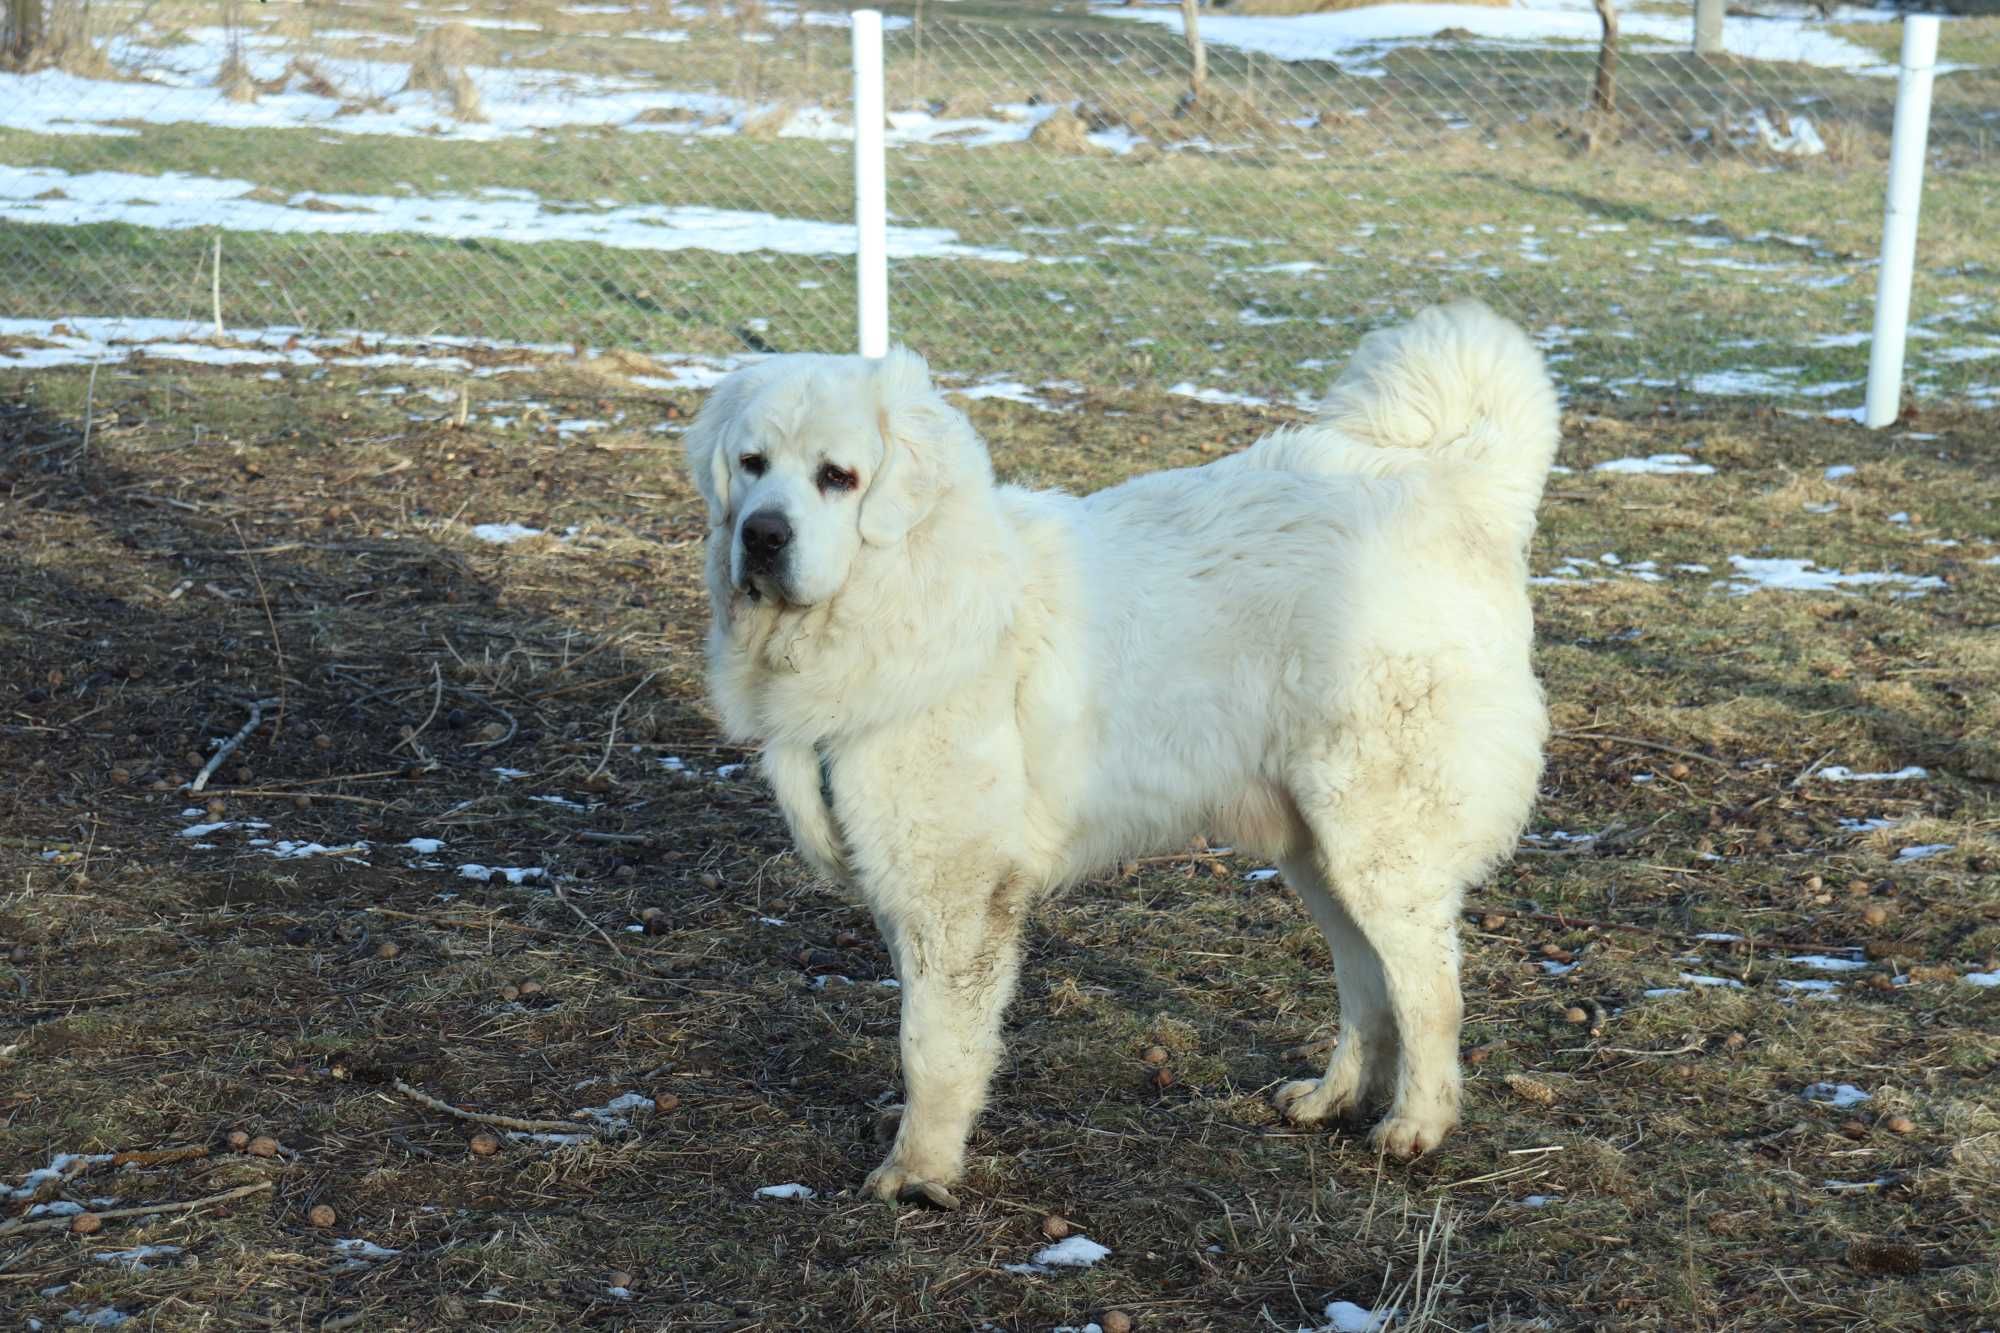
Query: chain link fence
(1062, 206)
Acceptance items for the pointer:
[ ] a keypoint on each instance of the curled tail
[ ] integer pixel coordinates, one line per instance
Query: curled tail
(1467, 388)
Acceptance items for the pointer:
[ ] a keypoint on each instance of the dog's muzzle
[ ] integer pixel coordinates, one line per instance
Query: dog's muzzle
(765, 536)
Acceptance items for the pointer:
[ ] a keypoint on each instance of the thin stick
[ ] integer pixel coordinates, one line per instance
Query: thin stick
(611, 737)
(437, 697)
(497, 1121)
(309, 795)
(277, 646)
(1557, 917)
(609, 943)
(229, 746)
(1644, 745)
(215, 287)
(142, 1210)
(89, 400)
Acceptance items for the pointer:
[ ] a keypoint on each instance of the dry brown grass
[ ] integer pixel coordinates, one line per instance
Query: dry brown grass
(441, 56)
(53, 34)
(159, 995)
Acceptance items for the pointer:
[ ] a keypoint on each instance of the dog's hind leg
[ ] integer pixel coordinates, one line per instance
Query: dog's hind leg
(957, 965)
(1363, 1065)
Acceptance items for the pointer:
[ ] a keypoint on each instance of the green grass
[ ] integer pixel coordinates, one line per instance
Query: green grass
(160, 995)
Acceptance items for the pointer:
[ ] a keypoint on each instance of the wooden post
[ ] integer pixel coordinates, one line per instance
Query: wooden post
(1198, 79)
(1604, 93)
(1708, 27)
(24, 29)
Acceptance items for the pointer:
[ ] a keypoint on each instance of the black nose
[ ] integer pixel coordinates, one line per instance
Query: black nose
(766, 534)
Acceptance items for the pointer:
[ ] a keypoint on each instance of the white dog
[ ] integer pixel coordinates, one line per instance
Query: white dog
(969, 696)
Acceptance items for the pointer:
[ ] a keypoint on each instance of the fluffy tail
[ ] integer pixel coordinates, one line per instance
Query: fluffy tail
(1467, 388)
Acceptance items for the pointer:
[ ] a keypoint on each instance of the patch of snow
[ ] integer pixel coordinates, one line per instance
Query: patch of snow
(1983, 978)
(1556, 969)
(1840, 1096)
(1753, 575)
(509, 774)
(1697, 979)
(1662, 992)
(286, 850)
(1719, 937)
(1855, 1186)
(512, 874)
(109, 1317)
(1259, 876)
(1839, 773)
(789, 1191)
(504, 534)
(1925, 851)
(1664, 465)
(1070, 1252)
(1822, 963)
(175, 201)
(1866, 825)
(425, 846)
(1817, 987)
(1347, 1317)
(135, 1258)
(612, 1114)
(362, 1251)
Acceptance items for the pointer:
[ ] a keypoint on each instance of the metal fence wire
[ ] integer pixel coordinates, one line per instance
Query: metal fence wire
(1062, 205)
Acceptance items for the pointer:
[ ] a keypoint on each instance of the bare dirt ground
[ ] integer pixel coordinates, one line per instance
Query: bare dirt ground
(1704, 937)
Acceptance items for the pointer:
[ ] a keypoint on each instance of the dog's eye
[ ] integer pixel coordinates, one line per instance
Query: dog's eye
(833, 478)
(753, 464)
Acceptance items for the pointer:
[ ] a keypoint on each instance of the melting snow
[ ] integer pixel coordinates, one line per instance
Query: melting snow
(1924, 851)
(1071, 1252)
(1983, 978)
(1753, 575)
(790, 1191)
(1837, 773)
(1347, 1317)
(175, 201)
(504, 534)
(512, 874)
(1826, 964)
(1666, 465)
(135, 1258)
(1837, 1095)
(425, 846)
(1696, 979)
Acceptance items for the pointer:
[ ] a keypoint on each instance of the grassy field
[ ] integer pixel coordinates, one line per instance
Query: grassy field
(1228, 251)
(1640, 1150)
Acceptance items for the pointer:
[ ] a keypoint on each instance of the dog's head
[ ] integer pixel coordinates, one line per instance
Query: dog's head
(804, 460)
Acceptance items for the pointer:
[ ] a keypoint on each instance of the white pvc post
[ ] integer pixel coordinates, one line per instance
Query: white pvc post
(871, 188)
(1708, 27)
(1899, 220)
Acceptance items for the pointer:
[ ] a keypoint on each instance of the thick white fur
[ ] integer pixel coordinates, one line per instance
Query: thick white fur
(1317, 649)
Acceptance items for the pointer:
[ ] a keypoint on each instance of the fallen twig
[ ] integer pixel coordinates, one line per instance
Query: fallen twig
(609, 943)
(277, 646)
(142, 1210)
(159, 1156)
(1642, 744)
(422, 1098)
(437, 698)
(229, 746)
(611, 736)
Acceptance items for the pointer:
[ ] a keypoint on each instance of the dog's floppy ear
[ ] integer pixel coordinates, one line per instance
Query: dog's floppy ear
(917, 428)
(708, 440)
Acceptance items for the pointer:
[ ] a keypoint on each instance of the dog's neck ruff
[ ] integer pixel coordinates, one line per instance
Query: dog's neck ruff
(913, 624)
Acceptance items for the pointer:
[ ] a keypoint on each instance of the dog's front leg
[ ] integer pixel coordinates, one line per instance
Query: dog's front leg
(957, 957)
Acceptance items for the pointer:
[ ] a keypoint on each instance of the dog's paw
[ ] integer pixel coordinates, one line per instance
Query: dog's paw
(1410, 1135)
(1308, 1101)
(892, 1183)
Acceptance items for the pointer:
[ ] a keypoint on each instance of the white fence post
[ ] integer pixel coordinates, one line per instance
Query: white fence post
(1899, 220)
(871, 202)
(1708, 27)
